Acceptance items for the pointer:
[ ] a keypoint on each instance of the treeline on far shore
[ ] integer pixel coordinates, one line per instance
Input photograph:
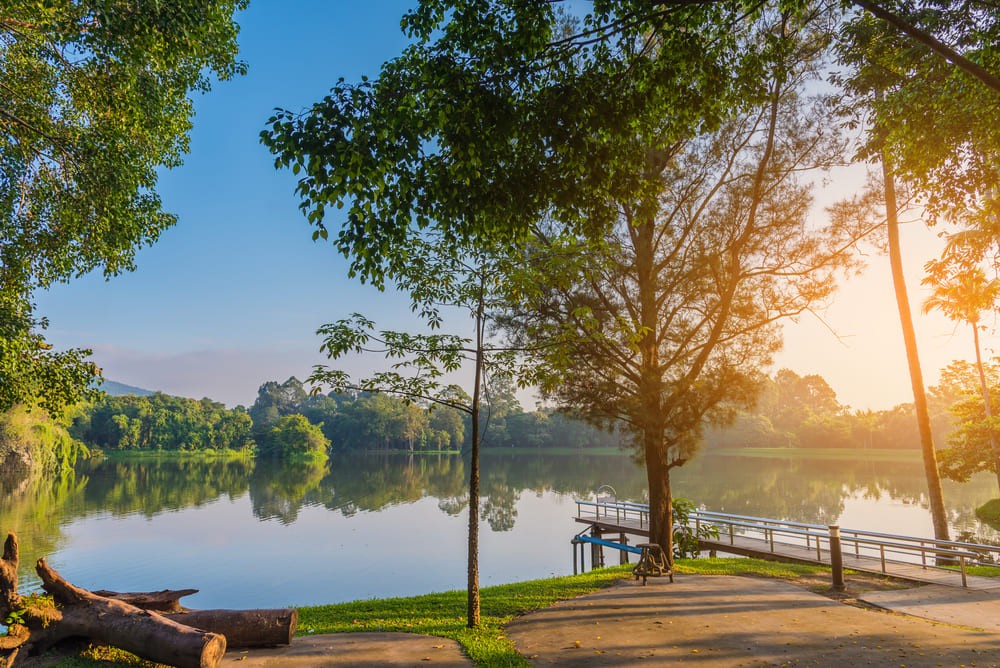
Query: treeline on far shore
(792, 411)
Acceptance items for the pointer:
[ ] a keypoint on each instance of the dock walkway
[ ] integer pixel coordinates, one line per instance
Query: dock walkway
(905, 557)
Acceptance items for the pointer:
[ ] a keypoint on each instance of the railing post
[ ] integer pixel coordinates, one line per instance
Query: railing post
(732, 538)
(819, 553)
(771, 534)
(573, 542)
(836, 558)
(964, 583)
(881, 554)
(923, 555)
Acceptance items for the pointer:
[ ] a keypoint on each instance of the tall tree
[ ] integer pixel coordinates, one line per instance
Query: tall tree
(928, 453)
(665, 323)
(933, 126)
(438, 276)
(93, 102)
(964, 297)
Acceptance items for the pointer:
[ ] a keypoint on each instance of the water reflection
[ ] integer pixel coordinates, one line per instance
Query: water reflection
(525, 498)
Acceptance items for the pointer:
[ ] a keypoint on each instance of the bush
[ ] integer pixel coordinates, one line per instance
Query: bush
(293, 435)
(685, 537)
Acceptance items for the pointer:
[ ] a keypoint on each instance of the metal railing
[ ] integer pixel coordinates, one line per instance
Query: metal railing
(887, 548)
(619, 510)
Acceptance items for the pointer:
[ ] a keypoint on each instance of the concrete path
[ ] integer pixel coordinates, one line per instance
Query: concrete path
(961, 607)
(704, 621)
(722, 621)
(363, 650)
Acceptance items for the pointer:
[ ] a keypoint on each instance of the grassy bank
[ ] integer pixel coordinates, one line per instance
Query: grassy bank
(174, 455)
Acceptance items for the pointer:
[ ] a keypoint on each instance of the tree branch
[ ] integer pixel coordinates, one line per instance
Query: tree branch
(932, 43)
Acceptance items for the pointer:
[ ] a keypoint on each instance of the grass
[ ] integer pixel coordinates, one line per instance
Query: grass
(176, 455)
(444, 614)
(984, 571)
(748, 567)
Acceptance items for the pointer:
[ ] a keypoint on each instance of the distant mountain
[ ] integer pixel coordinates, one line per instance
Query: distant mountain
(117, 389)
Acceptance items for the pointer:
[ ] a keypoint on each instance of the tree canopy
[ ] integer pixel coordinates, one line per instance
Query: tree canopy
(493, 117)
(94, 100)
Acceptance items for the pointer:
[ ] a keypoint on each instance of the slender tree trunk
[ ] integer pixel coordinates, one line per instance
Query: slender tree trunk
(473, 584)
(986, 403)
(938, 516)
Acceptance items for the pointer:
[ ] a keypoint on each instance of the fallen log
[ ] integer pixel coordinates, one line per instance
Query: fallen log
(167, 600)
(146, 634)
(75, 612)
(242, 628)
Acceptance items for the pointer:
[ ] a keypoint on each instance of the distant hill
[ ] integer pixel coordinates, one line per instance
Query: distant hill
(117, 389)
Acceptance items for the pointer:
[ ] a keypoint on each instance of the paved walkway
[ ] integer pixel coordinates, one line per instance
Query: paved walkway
(950, 605)
(704, 621)
(354, 649)
(723, 621)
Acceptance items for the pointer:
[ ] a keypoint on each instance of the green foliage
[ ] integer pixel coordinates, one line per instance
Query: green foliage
(936, 123)
(33, 601)
(970, 447)
(35, 443)
(293, 436)
(487, 121)
(162, 422)
(276, 400)
(93, 103)
(989, 513)
(686, 535)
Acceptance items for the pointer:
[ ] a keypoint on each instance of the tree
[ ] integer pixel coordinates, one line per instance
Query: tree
(438, 275)
(947, 157)
(276, 400)
(491, 119)
(665, 323)
(293, 435)
(964, 297)
(935, 124)
(93, 102)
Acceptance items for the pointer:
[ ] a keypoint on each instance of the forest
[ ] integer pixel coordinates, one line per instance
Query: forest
(791, 411)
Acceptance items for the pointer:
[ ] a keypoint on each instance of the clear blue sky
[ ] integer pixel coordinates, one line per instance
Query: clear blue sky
(232, 295)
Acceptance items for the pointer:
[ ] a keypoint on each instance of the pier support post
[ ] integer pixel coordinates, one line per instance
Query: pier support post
(836, 558)
(623, 554)
(596, 550)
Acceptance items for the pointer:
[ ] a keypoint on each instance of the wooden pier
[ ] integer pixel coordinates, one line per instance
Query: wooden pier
(905, 557)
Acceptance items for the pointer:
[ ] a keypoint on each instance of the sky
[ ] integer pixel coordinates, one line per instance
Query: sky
(232, 295)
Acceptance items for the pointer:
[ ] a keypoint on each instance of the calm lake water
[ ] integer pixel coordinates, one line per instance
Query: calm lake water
(253, 535)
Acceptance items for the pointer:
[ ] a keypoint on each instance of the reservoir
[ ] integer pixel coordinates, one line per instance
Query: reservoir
(251, 534)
